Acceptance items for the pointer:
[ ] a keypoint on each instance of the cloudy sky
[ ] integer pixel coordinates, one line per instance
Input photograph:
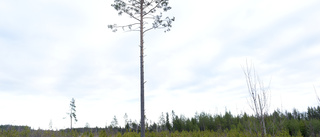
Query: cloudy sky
(55, 50)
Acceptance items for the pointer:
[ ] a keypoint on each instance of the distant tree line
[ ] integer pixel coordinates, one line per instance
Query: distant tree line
(277, 123)
(295, 123)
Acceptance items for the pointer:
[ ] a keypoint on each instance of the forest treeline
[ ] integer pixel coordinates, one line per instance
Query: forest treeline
(278, 123)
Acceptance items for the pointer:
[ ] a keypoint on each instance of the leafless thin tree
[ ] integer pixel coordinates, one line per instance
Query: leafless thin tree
(259, 95)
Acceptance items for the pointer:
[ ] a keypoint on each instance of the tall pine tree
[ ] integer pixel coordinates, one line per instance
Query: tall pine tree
(143, 11)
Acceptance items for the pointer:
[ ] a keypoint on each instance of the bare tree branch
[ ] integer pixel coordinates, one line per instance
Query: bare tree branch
(148, 18)
(115, 26)
(148, 30)
(133, 5)
(128, 25)
(131, 15)
(132, 30)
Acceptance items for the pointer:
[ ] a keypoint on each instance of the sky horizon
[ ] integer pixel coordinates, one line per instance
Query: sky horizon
(53, 51)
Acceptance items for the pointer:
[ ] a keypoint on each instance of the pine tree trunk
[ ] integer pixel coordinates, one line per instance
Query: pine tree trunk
(141, 70)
